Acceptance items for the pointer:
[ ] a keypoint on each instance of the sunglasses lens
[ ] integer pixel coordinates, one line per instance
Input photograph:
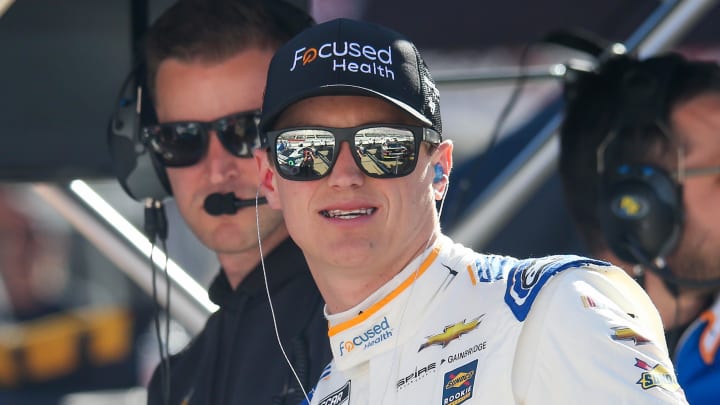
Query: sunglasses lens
(305, 154)
(385, 152)
(239, 134)
(178, 145)
(185, 143)
(309, 153)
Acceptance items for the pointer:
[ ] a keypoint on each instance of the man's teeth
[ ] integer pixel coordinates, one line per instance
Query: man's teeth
(342, 214)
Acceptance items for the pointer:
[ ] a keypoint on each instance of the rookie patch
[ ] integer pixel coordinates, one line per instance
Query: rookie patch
(459, 383)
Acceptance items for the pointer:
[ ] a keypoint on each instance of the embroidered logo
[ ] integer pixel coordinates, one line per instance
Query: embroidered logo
(451, 332)
(624, 333)
(467, 352)
(340, 396)
(377, 333)
(656, 376)
(416, 375)
(458, 384)
(347, 56)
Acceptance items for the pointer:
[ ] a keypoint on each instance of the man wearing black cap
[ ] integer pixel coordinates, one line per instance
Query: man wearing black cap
(413, 317)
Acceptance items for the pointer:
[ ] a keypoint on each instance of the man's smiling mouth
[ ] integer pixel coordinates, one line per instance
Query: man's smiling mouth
(347, 214)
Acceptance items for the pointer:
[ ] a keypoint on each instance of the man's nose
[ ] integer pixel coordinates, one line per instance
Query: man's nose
(221, 163)
(345, 172)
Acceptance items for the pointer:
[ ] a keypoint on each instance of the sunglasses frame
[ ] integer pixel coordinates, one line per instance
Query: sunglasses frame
(341, 135)
(149, 136)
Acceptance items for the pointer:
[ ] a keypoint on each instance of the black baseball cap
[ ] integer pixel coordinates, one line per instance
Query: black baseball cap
(348, 57)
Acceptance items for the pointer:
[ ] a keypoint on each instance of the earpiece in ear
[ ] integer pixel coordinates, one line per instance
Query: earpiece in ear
(439, 173)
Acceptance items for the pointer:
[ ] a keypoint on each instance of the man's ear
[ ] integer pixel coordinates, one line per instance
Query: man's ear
(267, 178)
(443, 161)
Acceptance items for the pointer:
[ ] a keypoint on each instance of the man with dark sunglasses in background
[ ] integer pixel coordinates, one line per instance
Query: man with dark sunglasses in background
(640, 164)
(207, 62)
(415, 318)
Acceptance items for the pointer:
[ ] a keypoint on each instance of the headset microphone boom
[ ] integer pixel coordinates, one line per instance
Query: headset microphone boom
(227, 204)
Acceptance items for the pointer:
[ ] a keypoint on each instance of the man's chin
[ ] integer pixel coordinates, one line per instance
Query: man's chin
(230, 240)
(234, 247)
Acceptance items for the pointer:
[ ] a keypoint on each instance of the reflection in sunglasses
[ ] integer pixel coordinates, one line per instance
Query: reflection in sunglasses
(380, 151)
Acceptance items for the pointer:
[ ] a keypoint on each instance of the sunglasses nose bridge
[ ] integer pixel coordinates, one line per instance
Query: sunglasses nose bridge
(214, 143)
(344, 136)
(345, 169)
(344, 139)
(214, 134)
(346, 154)
(210, 129)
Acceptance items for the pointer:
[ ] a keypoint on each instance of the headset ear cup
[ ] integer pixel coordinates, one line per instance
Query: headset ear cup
(136, 168)
(640, 210)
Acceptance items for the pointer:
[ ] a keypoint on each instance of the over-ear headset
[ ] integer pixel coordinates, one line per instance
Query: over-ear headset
(640, 207)
(139, 172)
(137, 169)
(641, 212)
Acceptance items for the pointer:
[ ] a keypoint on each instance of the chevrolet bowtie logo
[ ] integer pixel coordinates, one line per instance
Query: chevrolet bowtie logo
(625, 333)
(452, 332)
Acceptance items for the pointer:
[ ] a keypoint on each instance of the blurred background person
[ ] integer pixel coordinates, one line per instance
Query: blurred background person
(640, 164)
(60, 331)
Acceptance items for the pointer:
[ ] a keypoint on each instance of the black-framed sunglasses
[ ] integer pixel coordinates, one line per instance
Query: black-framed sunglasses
(380, 150)
(180, 144)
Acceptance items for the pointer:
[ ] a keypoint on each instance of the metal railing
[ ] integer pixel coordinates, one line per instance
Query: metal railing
(536, 163)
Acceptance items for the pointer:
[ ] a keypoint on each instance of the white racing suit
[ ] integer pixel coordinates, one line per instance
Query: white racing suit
(457, 327)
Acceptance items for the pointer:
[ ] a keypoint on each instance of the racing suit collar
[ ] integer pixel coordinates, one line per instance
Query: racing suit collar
(386, 318)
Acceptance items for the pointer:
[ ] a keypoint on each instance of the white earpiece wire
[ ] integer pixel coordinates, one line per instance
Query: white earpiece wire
(267, 290)
(442, 201)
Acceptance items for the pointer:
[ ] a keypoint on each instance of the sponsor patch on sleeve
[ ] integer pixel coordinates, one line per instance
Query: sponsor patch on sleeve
(656, 376)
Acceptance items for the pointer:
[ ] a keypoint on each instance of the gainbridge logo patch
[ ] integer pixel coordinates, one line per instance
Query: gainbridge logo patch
(347, 56)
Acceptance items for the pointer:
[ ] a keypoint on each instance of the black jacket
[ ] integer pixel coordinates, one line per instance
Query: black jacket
(236, 358)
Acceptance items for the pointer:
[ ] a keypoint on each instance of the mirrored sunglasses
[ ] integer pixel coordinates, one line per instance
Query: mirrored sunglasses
(179, 144)
(379, 150)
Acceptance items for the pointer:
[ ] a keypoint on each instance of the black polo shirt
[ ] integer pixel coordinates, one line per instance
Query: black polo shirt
(236, 358)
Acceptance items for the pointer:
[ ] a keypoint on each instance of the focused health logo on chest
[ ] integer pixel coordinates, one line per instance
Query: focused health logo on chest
(369, 338)
(348, 57)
